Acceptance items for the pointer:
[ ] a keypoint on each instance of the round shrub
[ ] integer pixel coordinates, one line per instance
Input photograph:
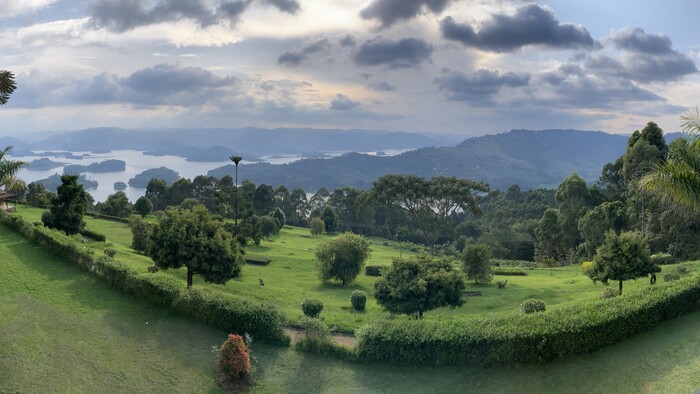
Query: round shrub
(585, 266)
(358, 300)
(110, 252)
(532, 305)
(312, 307)
(682, 270)
(153, 269)
(609, 292)
(373, 270)
(671, 277)
(233, 364)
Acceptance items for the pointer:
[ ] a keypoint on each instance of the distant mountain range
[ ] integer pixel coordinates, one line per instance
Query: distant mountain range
(531, 159)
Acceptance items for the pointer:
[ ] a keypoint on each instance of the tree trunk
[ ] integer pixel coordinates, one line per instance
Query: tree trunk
(620, 287)
(190, 274)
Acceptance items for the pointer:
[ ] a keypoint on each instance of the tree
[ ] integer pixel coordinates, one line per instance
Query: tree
(38, 196)
(117, 204)
(342, 258)
(622, 257)
(156, 192)
(268, 226)
(317, 227)
(67, 210)
(194, 240)
(236, 160)
(476, 264)
(140, 234)
(330, 219)
(278, 215)
(429, 203)
(601, 219)
(8, 168)
(573, 198)
(678, 179)
(143, 206)
(7, 86)
(419, 284)
(548, 236)
(264, 199)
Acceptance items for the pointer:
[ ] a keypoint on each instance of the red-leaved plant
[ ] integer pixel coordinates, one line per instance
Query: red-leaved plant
(234, 360)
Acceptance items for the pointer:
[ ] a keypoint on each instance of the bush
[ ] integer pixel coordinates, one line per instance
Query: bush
(671, 277)
(508, 271)
(234, 359)
(586, 266)
(94, 235)
(532, 305)
(358, 299)
(153, 269)
(110, 252)
(682, 270)
(609, 292)
(475, 263)
(513, 338)
(312, 307)
(513, 263)
(373, 270)
(140, 234)
(317, 226)
(663, 258)
(316, 338)
(342, 258)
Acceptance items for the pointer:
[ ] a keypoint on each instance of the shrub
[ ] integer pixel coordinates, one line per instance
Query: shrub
(94, 235)
(257, 260)
(586, 266)
(140, 234)
(373, 270)
(312, 307)
(110, 252)
(662, 258)
(513, 263)
(234, 359)
(532, 305)
(316, 338)
(153, 269)
(514, 338)
(670, 277)
(609, 292)
(682, 270)
(475, 260)
(317, 226)
(342, 258)
(508, 271)
(358, 299)
(38, 224)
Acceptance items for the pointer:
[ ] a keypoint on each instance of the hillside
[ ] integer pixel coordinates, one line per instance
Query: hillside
(530, 159)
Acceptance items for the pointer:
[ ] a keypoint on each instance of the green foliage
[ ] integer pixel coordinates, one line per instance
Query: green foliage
(257, 260)
(195, 240)
(508, 271)
(117, 205)
(312, 307)
(317, 227)
(417, 285)
(514, 338)
(622, 257)
(109, 252)
(234, 359)
(269, 226)
(38, 196)
(278, 215)
(143, 206)
(532, 305)
(330, 219)
(8, 168)
(586, 266)
(549, 244)
(68, 208)
(316, 338)
(7, 85)
(574, 199)
(513, 263)
(374, 270)
(153, 269)
(662, 258)
(358, 299)
(141, 234)
(609, 292)
(475, 262)
(342, 258)
(94, 235)
(671, 277)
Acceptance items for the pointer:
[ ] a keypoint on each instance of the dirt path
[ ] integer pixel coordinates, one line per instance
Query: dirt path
(342, 339)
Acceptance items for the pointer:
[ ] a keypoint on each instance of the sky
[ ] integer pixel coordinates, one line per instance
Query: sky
(464, 67)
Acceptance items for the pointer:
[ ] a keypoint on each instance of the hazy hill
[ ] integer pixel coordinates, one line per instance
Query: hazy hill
(530, 159)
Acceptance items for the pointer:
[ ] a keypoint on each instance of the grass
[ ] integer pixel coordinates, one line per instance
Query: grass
(63, 331)
(291, 277)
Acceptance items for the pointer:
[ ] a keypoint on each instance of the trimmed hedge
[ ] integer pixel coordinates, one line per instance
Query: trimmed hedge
(533, 305)
(257, 260)
(513, 263)
(508, 271)
(514, 338)
(94, 235)
(373, 270)
(662, 258)
(223, 311)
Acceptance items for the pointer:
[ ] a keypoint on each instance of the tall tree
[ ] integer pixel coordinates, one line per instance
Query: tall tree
(117, 205)
(342, 258)
(67, 210)
(7, 86)
(8, 168)
(548, 236)
(573, 198)
(193, 239)
(264, 199)
(157, 191)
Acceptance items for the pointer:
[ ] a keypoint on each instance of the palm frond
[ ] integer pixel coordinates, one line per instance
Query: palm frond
(691, 122)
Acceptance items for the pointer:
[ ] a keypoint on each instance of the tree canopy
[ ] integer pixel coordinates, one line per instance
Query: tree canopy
(67, 210)
(342, 258)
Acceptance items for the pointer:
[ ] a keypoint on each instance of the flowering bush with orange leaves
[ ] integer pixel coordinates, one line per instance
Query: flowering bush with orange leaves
(234, 359)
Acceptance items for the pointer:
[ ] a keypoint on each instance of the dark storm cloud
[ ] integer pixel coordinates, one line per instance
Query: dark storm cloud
(342, 102)
(389, 12)
(348, 41)
(530, 25)
(124, 15)
(294, 58)
(478, 87)
(635, 39)
(404, 53)
(382, 87)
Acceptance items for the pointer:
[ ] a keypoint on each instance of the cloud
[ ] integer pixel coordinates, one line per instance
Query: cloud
(124, 15)
(294, 58)
(478, 87)
(16, 7)
(382, 87)
(404, 53)
(342, 102)
(348, 41)
(529, 25)
(635, 39)
(389, 12)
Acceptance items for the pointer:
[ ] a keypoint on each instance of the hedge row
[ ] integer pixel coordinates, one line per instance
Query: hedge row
(508, 271)
(513, 263)
(223, 311)
(513, 338)
(94, 235)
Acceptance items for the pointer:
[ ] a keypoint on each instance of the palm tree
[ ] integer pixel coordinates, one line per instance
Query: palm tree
(8, 168)
(236, 160)
(678, 179)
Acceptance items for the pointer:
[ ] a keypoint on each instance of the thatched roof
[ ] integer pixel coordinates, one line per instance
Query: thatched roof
(6, 195)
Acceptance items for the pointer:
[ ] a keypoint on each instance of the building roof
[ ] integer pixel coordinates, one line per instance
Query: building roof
(5, 195)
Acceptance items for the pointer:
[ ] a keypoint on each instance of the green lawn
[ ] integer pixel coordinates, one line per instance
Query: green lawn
(63, 331)
(291, 277)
